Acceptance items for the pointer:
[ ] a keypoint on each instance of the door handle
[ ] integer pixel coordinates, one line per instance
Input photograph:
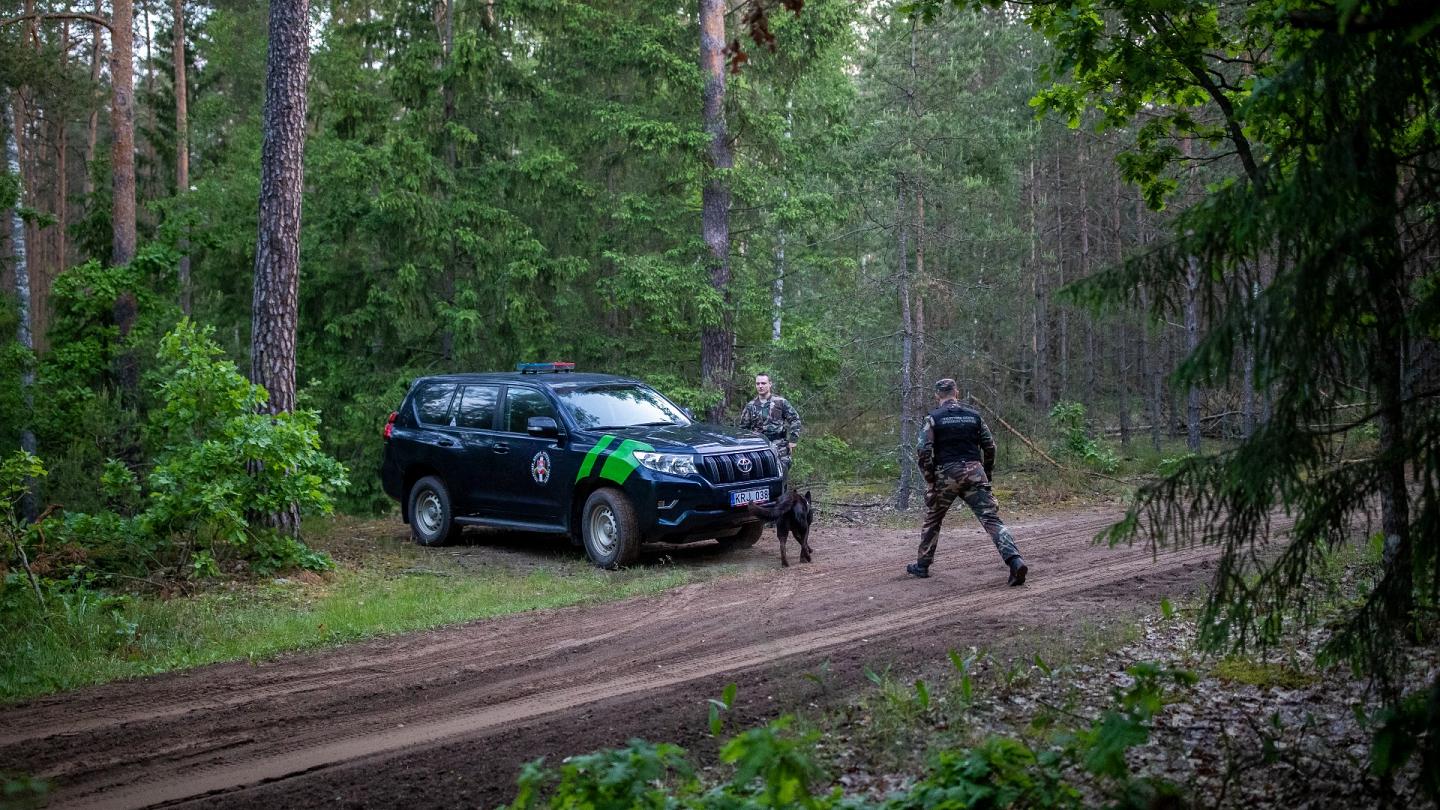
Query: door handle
(500, 447)
(445, 443)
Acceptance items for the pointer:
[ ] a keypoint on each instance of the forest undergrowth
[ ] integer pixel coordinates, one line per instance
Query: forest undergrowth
(1123, 713)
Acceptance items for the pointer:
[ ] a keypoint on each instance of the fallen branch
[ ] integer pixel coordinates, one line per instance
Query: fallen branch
(1037, 450)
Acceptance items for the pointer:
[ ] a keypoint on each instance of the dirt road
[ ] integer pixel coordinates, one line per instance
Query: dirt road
(445, 718)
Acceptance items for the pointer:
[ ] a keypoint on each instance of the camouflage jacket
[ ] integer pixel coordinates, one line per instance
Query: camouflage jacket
(774, 418)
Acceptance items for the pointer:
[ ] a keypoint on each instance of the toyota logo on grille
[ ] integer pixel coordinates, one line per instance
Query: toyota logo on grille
(744, 464)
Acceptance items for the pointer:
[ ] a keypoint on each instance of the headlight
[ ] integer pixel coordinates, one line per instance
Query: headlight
(667, 462)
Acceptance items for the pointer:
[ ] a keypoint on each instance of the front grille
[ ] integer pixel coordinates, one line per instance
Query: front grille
(725, 469)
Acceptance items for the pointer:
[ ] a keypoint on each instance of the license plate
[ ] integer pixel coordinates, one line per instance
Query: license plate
(741, 497)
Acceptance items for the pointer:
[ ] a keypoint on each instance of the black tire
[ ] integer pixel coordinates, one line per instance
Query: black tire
(432, 521)
(748, 536)
(609, 529)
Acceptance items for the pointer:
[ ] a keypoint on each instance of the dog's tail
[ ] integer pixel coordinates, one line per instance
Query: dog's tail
(770, 511)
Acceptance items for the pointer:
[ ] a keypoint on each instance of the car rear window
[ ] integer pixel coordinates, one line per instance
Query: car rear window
(432, 403)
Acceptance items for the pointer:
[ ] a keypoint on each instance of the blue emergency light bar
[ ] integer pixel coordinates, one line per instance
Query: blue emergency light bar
(537, 368)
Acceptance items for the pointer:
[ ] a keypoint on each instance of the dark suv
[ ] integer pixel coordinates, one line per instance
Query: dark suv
(606, 460)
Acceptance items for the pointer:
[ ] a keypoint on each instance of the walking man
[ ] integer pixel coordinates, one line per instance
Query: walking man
(956, 454)
(774, 418)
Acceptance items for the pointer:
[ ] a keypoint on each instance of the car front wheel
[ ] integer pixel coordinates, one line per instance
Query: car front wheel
(432, 522)
(609, 529)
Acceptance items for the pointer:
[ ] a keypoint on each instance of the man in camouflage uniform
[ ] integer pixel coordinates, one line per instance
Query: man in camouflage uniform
(774, 418)
(956, 454)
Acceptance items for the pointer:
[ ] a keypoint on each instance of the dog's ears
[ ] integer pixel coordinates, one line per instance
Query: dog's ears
(807, 496)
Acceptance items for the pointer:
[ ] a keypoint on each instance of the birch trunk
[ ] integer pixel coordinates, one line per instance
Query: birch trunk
(182, 147)
(29, 503)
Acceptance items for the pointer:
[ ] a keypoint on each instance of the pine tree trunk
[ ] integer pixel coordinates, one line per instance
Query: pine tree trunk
(1151, 362)
(918, 372)
(777, 289)
(182, 147)
(122, 153)
(907, 473)
(277, 251)
(447, 94)
(1192, 340)
(96, 56)
(1040, 334)
(717, 358)
(1064, 325)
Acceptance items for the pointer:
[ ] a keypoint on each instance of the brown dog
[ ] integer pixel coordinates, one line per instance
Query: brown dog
(791, 514)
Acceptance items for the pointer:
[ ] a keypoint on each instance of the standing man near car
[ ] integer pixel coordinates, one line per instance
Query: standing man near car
(956, 454)
(774, 418)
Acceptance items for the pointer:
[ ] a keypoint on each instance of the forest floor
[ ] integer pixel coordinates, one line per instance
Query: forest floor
(446, 718)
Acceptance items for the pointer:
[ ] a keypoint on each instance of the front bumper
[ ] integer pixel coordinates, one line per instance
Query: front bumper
(679, 510)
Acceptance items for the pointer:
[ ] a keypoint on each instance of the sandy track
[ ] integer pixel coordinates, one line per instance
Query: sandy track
(377, 722)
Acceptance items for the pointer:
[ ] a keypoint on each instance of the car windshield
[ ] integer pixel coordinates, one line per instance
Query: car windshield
(622, 405)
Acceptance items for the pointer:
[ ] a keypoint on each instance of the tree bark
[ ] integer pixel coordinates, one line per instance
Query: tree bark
(122, 152)
(277, 251)
(918, 372)
(1040, 334)
(907, 473)
(717, 359)
(96, 54)
(1192, 340)
(30, 502)
(182, 147)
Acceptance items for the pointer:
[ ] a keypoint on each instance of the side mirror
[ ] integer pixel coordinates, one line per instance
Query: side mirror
(542, 427)
(689, 414)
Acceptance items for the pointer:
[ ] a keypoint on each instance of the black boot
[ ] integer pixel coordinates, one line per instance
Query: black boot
(1018, 570)
(918, 569)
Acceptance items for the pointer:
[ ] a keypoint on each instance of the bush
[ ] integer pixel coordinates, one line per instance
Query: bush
(219, 468)
(1069, 419)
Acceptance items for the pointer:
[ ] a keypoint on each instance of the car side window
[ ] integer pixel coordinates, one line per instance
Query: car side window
(477, 406)
(432, 403)
(523, 403)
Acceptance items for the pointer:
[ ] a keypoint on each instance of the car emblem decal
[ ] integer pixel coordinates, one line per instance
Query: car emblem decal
(540, 468)
(744, 464)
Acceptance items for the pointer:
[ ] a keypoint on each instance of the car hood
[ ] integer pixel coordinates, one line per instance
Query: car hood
(697, 437)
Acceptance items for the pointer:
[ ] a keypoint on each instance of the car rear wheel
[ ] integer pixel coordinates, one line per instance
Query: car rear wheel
(609, 529)
(432, 522)
(748, 536)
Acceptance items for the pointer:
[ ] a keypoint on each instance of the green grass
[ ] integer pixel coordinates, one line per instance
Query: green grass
(378, 589)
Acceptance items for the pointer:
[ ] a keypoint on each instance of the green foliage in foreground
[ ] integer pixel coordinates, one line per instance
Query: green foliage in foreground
(216, 464)
(773, 767)
(90, 637)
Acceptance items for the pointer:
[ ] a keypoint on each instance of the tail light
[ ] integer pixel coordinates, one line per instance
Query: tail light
(390, 424)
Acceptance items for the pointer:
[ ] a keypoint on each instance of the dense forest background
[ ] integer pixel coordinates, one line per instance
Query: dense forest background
(1116, 223)
(487, 183)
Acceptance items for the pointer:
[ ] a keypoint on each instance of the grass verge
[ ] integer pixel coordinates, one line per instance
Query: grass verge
(382, 585)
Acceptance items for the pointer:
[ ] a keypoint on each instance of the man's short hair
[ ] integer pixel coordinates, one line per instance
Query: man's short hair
(945, 386)
(764, 374)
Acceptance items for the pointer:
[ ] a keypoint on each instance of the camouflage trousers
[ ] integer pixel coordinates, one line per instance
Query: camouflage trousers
(781, 447)
(967, 481)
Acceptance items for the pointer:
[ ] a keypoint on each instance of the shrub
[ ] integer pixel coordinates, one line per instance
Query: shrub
(1069, 419)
